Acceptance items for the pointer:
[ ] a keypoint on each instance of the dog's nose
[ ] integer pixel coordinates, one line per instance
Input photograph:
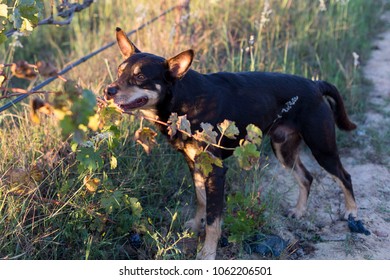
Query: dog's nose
(110, 91)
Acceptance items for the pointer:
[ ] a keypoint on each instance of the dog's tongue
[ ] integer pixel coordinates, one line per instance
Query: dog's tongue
(139, 102)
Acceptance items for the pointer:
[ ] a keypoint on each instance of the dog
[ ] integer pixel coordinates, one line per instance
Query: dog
(159, 87)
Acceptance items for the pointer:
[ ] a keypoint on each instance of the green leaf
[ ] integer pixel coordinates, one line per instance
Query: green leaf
(89, 159)
(205, 161)
(228, 129)
(3, 38)
(111, 201)
(247, 155)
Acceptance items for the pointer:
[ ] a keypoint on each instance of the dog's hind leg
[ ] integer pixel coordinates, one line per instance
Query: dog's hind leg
(321, 139)
(285, 144)
(332, 164)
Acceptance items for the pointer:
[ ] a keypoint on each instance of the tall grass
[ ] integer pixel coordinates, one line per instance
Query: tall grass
(46, 211)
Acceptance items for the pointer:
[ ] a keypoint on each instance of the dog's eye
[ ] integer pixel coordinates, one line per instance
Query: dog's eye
(140, 77)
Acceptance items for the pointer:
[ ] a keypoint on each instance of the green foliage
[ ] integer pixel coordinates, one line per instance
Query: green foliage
(247, 153)
(244, 216)
(23, 14)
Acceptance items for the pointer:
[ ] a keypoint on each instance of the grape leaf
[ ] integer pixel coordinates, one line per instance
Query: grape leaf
(110, 114)
(172, 124)
(135, 205)
(91, 184)
(46, 69)
(247, 155)
(207, 134)
(41, 106)
(3, 38)
(89, 159)
(23, 70)
(205, 161)
(3, 10)
(113, 162)
(145, 136)
(228, 129)
(3, 78)
(184, 125)
(254, 134)
(73, 89)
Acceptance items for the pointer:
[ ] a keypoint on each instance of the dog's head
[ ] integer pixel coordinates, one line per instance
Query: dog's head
(143, 77)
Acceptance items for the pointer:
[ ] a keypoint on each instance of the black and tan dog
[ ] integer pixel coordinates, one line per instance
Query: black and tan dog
(159, 87)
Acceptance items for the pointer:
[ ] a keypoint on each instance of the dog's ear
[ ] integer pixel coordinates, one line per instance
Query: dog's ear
(125, 45)
(180, 64)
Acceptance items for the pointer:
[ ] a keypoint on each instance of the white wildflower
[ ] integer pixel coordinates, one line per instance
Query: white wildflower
(87, 144)
(356, 61)
(322, 6)
(15, 40)
(102, 136)
(265, 15)
(251, 40)
(343, 2)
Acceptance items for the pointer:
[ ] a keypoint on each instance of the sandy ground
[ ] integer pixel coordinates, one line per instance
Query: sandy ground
(322, 233)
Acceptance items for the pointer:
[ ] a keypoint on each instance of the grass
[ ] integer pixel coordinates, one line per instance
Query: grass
(45, 210)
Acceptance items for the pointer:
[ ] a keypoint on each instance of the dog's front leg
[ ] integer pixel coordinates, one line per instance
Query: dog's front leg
(215, 184)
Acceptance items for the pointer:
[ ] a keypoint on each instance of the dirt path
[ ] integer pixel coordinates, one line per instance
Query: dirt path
(322, 234)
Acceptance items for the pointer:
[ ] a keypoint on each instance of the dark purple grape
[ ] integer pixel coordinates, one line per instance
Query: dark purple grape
(135, 240)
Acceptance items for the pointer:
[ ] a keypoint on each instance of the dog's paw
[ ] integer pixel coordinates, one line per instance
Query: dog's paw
(350, 214)
(296, 213)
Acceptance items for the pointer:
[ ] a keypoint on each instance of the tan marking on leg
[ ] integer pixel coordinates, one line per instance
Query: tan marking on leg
(300, 208)
(213, 233)
(278, 153)
(197, 223)
(350, 204)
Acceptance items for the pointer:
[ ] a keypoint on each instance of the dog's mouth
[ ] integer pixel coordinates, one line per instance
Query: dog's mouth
(139, 102)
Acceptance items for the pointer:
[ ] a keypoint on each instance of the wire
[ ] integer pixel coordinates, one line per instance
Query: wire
(83, 59)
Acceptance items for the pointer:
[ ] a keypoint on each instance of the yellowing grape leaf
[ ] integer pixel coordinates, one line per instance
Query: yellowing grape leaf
(41, 106)
(23, 70)
(3, 78)
(207, 134)
(3, 10)
(113, 162)
(172, 124)
(91, 184)
(184, 125)
(204, 162)
(247, 155)
(146, 137)
(94, 122)
(46, 69)
(228, 129)
(254, 134)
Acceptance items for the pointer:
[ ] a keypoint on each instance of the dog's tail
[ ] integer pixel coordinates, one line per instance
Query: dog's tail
(336, 103)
